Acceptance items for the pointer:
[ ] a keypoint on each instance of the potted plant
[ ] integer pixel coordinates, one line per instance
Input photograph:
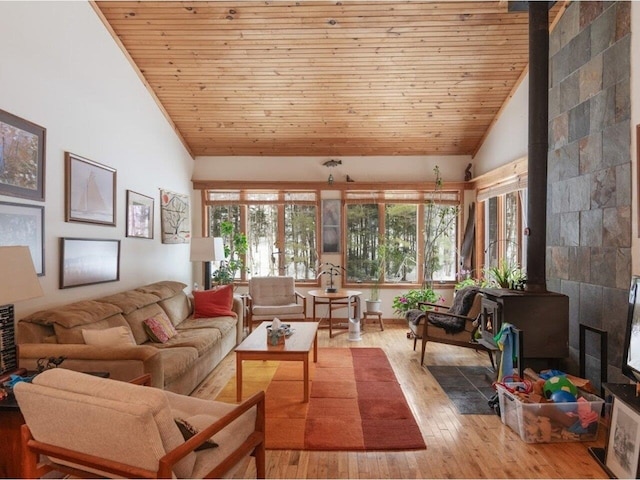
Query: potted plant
(373, 303)
(506, 275)
(409, 301)
(235, 247)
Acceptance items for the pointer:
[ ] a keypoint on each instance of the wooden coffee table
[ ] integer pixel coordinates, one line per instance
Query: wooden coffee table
(296, 348)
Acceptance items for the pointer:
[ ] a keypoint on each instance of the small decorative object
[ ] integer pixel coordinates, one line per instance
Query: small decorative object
(333, 271)
(51, 362)
(278, 331)
(90, 191)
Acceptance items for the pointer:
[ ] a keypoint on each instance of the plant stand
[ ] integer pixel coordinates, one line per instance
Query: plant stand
(373, 314)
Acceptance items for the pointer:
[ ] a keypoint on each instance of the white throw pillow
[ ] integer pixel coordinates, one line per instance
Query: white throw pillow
(109, 337)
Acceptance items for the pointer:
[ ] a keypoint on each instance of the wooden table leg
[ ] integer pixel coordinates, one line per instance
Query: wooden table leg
(315, 348)
(305, 362)
(330, 319)
(238, 377)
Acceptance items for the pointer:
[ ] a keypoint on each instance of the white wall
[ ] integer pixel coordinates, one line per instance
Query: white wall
(508, 139)
(311, 169)
(61, 69)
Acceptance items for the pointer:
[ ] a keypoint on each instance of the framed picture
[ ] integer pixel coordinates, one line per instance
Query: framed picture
(22, 155)
(90, 191)
(22, 224)
(85, 261)
(623, 444)
(331, 226)
(174, 215)
(139, 215)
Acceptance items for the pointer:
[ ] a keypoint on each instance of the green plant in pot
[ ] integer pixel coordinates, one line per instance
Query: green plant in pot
(506, 275)
(409, 301)
(235, 247)
(373, 303)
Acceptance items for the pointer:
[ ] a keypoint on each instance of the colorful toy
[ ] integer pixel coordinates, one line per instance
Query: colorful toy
(562, 396)
(559, 383)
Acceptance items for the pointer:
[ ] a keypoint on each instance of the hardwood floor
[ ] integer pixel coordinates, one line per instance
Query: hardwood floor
(458, 446)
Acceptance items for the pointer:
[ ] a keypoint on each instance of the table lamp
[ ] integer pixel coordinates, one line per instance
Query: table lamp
(18, 281)
(207, 250)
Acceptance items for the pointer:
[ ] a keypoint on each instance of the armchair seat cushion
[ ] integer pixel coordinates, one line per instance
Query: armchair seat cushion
(275, 310)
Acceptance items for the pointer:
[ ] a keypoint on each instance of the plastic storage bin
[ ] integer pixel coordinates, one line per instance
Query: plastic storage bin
(551, 422)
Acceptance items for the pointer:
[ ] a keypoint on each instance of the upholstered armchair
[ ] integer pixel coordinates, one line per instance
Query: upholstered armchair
(271, 297)
(84, 425)
(455, 325)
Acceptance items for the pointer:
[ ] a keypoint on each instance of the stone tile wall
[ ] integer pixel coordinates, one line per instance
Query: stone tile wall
(589, 173)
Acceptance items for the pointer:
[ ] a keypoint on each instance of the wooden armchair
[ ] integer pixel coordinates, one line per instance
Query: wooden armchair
(453, 325)
(271, 297)
(87, 426)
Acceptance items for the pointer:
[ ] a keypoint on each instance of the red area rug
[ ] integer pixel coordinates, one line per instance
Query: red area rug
(356, 403)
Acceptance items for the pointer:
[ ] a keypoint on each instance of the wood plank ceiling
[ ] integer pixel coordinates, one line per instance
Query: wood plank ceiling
(320, 78)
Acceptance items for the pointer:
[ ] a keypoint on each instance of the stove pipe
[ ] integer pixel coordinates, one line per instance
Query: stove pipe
(538, 145)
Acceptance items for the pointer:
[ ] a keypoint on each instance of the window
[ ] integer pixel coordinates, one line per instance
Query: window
(281, 229)
(409, 224)
(503, 235)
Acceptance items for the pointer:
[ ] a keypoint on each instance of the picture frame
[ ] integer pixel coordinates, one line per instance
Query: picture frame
(22, 157)
(331, 223)
(174, 217)
(623, 444)
(139, 215)
(90, 195)
(23, 224)
(87, 261)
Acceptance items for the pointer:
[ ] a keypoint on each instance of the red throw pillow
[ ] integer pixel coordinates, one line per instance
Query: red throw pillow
(214, 303)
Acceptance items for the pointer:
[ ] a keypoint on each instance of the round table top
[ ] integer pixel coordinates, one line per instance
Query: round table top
(339, 294)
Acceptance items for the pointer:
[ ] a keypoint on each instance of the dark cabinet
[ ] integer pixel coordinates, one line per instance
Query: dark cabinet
(543, 318)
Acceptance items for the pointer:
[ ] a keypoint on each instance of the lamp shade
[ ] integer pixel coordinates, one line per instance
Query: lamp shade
(19, 280)
(207, 249)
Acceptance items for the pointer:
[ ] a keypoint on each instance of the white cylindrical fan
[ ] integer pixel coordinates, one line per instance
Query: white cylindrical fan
(354, 324)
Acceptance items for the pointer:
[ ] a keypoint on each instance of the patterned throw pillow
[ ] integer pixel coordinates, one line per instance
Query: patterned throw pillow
(159, 328)
(187, 430)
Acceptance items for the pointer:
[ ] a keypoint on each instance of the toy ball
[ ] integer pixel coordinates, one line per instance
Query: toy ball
(559, 383)
(562, 396)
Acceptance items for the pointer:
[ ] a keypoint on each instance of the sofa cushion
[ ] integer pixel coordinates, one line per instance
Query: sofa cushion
(216, 302)
(74, 314)
(177, 307)
(109, 337)
(202, 340)
(163, 289)
(224, 324)
(74, 334)
(159, 328)
(136, 318)
(176, 361)
(130, 300)
(276, 310)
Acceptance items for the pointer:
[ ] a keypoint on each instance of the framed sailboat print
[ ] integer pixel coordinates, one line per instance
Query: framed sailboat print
(90, 191)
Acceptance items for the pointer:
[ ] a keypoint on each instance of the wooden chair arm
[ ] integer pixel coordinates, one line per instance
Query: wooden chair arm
(178, 453)
(436, 305)
(142, 380)
(304, 302)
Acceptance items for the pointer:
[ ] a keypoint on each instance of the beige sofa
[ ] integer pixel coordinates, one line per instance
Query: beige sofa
(178, 365)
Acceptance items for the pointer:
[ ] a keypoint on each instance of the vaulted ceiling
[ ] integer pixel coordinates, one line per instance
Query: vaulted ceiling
(326, 78)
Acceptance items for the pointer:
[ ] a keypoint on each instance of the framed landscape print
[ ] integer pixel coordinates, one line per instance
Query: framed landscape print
(90, 191)
(331, 226)
(139, 215)
(174, 215)
(85, 261)
(22, 224)
(22, 157)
